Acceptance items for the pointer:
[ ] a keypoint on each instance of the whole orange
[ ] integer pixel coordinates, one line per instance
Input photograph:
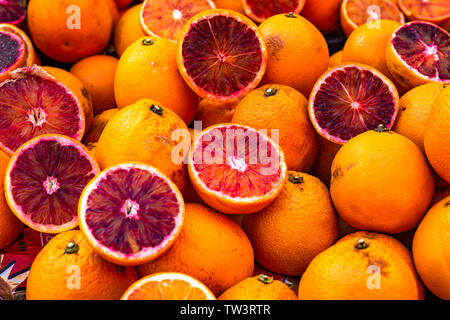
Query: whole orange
(261, 287)
(324, 14)
(128, 29)
(97, 74)
(211, 248)
(235, 5)
(335, 59)
(70, 30)
(148, 69)
(298, 52)
(296, 227)
(381, 182)
(283, 112)
(98, 125)
(68, 269)
(211, 113)
(431, 251)
(325, 157)
(362, 266)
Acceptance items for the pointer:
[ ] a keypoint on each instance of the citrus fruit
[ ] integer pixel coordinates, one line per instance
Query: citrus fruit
(283, 112)
(33, 103)
(131, 213)
(146, 132)
(415, 107)
(114, 11)
(435, 11)
(236, 169)
(13, 11)
(325, 157)
(418, 53)
(123, 3)
(67, 32)
(291, 40)
(261, 287)
(235, 5)
(335, 59)
(323, 14)
(10, 226)
(430, 249)
(362, 266)
(211, 248)
(351, 99)
(436, 133)
(221, 55)
(260, 10)
(168, 286)
(98, 125)
(297, 226)
(97, 74)
(44, 180)
(67, 268)
(136, 78)
(128, 29)
(371, 182)
(211, 113)
(166, 18)
(355, 13)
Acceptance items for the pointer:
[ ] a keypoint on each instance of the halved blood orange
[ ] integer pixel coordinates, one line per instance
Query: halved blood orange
(168, 286)
(260, 10)
(355, 13)
(131, 213)
(436, 11)
(166, 18)
(419, 53)
(236, 169)
(13, 11)
(221, 55)
(33, 103)
(351, 99)
(44, 180)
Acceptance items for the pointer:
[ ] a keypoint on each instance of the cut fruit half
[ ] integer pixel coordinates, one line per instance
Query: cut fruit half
(236, 169)
(131, 213)
(33, 103)
(355, 13)
(436, 11)
(13, 11)
(166, 18)
(419, 53)
(351, 99)
(260, 10)
(221, 55)
(44, 180)
(168, 286)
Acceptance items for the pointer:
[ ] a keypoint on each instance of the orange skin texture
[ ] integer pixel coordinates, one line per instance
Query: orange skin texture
(296, 227)
(415, 106)
(211, 113)
(98, 125)
(136, 134)
(431, 252)
(254, 289)
(324, 14)
(10, 226)
(335, 59)
(298, 52)
(78, 89)
(371, 183)
(235, 5)
(114, 11)
(211, 248)
(97, 73)
(99, 280)
(48, 22)
(151, 71)
(436, 135)
(343, 271)
(287, 112)
(128, 29)
(325, 157)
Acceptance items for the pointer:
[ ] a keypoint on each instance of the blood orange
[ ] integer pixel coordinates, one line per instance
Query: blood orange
(131, 213)
(166, 18)
(34, 103)
(221, 55)
(419, 53)
(351, 99)
(168, 286)
(12, 11)
(44, 180)
(260, 10)
(236, 169)
(436, 11)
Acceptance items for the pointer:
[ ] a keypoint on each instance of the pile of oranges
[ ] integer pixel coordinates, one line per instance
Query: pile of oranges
(358, 206)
